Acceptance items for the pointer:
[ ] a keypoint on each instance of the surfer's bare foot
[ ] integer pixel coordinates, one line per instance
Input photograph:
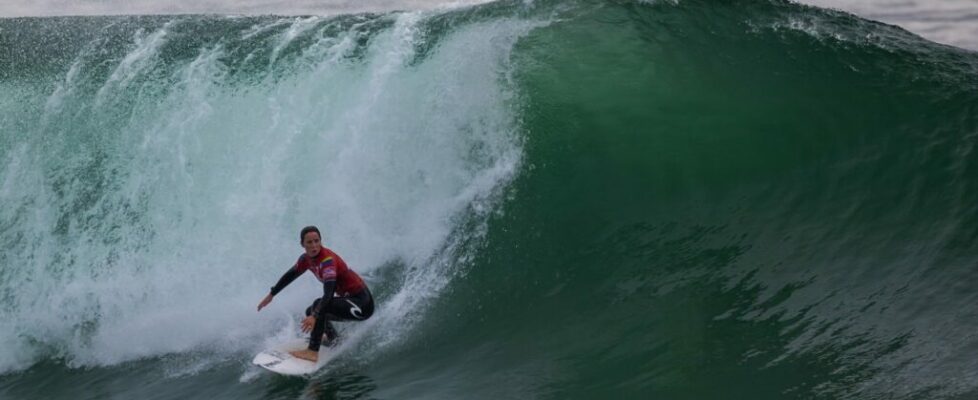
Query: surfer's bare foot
(307, 354)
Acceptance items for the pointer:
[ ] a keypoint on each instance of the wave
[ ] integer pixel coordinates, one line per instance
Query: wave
(692, 199)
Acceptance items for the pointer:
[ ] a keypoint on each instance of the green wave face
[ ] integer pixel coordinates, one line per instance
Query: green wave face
(731, 200)
(583, 199)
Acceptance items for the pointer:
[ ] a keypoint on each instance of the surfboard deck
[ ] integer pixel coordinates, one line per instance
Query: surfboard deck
(277, 359)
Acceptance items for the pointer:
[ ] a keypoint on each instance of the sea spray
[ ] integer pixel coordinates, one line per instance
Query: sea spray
(163, 192)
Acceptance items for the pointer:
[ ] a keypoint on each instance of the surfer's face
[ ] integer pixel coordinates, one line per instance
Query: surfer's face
(312, 243)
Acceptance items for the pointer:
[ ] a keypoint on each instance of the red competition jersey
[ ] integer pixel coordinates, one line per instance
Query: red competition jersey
(329, 266)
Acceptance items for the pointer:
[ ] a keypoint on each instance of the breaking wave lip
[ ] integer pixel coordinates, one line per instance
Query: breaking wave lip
(413, 147)
(48, 8)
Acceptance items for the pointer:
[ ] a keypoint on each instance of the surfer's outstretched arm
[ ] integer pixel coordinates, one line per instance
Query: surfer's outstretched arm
(284, 281)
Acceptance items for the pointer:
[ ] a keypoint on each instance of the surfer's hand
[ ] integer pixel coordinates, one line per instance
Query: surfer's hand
(307, 323)
(265, 301)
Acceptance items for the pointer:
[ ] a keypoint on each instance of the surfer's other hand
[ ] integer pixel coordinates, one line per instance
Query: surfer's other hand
(307, 323)
(265, 301)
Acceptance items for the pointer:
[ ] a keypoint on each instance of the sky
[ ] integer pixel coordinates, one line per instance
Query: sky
(953, 22)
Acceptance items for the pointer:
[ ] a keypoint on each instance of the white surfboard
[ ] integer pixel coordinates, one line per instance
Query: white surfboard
(277, 359)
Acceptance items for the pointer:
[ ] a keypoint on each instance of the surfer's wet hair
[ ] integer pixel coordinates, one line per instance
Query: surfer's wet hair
(310, 228)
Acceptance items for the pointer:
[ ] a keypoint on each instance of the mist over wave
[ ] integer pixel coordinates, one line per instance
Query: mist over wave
(19, 8)
(153, 190)
(953, 22)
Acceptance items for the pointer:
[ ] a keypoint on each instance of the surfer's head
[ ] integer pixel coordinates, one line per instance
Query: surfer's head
(311, 240)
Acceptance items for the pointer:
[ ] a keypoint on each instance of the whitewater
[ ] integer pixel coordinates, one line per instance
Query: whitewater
(178, 183)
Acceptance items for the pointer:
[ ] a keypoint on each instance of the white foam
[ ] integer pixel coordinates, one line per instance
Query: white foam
(197, 201)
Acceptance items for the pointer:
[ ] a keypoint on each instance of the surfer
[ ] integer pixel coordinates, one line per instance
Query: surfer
(352, 301)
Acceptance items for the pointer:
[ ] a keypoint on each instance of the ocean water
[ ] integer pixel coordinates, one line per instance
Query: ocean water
(551, 199)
